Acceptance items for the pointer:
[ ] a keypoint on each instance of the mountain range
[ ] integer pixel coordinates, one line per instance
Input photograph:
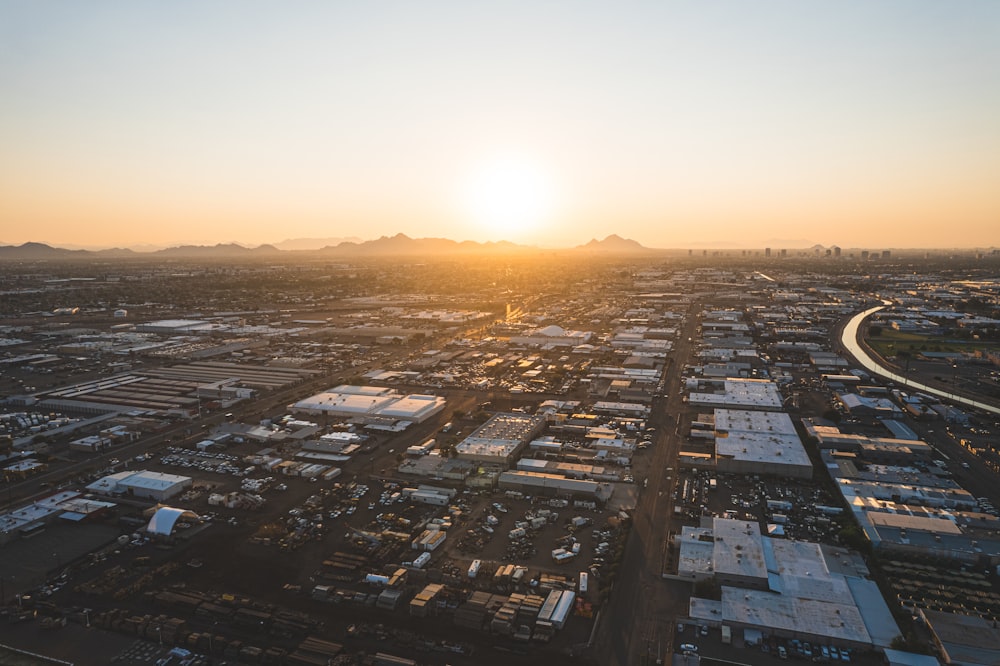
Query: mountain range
(398, 245)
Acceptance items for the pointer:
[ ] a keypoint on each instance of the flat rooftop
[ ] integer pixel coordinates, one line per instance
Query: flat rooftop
(501, 435)
(765, 437)
(836, 621)
(736, 393)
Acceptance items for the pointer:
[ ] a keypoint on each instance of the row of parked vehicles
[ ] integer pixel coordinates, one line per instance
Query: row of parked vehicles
(805, 650)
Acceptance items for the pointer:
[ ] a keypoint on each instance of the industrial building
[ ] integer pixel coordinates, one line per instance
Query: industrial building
(32, 518)
(501, 439)
(861, 405)
(569, 470)
(178, 390)
(552, 336)
(855, 491)
(735, 394)
(151, 485)
(753, 442)
(370, 403)
(539, 483)
(785, 588)
(963, 639)
(920, 520)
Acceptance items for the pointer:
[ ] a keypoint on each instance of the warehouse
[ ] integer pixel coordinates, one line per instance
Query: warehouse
(538, 483)
(569, 470)
(735, 394)
(782, 587)
(151, 485)
(751, 442)
(371, 403)
(501, 439)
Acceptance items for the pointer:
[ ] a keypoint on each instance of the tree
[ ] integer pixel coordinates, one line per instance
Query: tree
(852, 536)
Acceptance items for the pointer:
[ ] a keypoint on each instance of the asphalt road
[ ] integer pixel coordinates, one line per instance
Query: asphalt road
(637, 624)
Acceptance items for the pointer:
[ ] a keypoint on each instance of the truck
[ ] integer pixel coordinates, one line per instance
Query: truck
(727, 634)
(474, 568)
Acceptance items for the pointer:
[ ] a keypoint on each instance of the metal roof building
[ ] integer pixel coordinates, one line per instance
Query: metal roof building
(152, 485)
(371, 402)
(501, 439)
(740, 393)
(752, 442)
(784, 587)
(553, 484)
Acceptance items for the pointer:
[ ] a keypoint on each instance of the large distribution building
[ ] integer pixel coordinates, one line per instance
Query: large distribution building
(752, 442)
(151, 485)
(371, 403)
(781, 587)
(735, 394)
(501, 439)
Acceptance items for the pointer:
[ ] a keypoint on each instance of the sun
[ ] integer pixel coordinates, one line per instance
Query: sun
(508, 197)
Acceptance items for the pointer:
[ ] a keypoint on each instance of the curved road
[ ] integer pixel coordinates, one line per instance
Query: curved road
(849, 339)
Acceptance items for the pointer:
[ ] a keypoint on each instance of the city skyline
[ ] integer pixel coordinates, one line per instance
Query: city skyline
(723, 126)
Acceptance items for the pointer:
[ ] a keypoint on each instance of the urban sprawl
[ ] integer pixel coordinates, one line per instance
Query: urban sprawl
(732, 457)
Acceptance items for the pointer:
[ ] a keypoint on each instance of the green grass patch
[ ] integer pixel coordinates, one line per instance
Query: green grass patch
(891, 343)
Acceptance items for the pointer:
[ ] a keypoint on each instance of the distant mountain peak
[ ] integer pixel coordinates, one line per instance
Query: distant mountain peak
(614, 243)
(398, 245)
(312, 244)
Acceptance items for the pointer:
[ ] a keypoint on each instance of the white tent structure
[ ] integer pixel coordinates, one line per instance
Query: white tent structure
(165, 518)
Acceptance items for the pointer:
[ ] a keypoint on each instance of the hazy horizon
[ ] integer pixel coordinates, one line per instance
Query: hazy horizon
(726, 125)
(775, 245)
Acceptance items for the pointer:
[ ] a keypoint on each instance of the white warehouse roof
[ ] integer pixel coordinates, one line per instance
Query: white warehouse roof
(372, 401)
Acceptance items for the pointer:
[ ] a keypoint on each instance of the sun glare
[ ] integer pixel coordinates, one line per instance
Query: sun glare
(508, 198)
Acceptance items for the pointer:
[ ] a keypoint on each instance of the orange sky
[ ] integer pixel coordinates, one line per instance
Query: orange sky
(677, 124)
